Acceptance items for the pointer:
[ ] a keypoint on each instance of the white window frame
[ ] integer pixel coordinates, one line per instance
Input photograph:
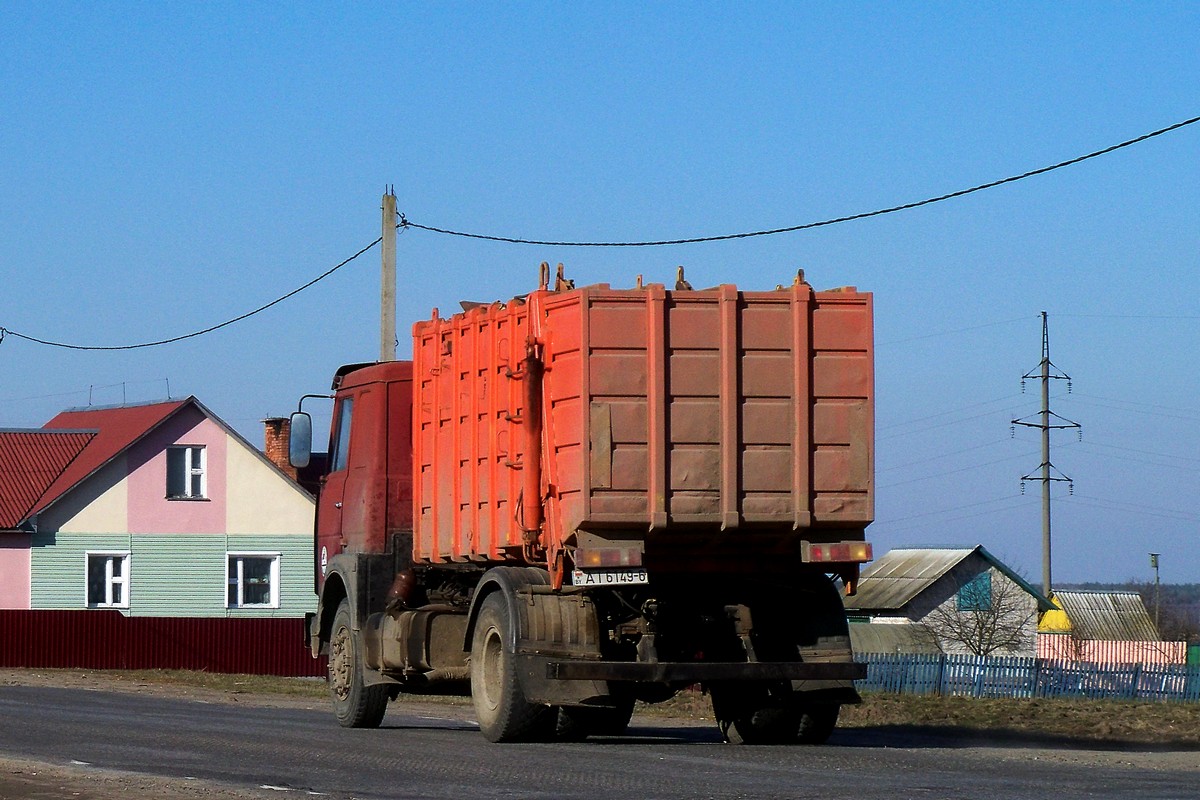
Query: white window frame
(234, 572)
(189, 472)
(109, 579)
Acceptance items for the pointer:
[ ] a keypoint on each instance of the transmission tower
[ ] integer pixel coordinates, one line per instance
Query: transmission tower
(1046, 371)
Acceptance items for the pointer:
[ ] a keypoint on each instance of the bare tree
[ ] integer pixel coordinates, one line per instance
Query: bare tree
(995, 617)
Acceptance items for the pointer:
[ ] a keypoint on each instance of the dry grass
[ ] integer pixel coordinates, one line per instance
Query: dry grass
(1113, 721)
(1065, 720)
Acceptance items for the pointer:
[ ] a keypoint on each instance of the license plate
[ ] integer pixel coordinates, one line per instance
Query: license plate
(609, 577)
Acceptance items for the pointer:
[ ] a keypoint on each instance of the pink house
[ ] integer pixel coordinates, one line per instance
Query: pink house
(154, 509)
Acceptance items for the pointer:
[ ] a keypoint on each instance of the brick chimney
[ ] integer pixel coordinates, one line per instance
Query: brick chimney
(278, 430)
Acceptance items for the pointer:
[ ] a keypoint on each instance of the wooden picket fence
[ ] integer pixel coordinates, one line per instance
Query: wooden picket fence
(983, 676)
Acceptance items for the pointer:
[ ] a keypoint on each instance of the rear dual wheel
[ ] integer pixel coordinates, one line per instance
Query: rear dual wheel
(757, 715)
(817, 724)
(576, 723)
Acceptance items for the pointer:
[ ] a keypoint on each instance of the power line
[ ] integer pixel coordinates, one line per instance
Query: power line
(406, 223)
(1131, 316)
(952, 471)
(1164, 460)
(1007, 499)
(950, 333)
(946, 424)
(1090, 445)
(210, 329)
(41, 396)
(888, 528)
(1108, 504)
(1077, 395)
(938, 457)
(1134, 409)
(948, 413)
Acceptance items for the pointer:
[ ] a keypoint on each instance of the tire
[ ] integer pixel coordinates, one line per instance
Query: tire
(808, 616)
(503, 712)
(576, 723)
(767, 725)
(817, 724)
(753, 715)
(355, 704)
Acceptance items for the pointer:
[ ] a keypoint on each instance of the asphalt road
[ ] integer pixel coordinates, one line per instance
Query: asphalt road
(438, 753)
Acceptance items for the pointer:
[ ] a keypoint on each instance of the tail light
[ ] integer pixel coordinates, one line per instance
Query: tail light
(600, 557)
(836, 552)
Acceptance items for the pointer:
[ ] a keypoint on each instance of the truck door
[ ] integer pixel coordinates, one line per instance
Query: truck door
(330, 541)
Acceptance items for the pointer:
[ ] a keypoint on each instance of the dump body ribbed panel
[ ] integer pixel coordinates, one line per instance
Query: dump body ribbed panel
(716, 409)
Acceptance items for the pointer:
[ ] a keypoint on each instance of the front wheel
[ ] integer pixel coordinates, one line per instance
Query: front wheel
(505, 715)
(355, 704)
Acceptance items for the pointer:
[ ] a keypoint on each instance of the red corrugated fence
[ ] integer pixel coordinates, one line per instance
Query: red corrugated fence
(106, 639)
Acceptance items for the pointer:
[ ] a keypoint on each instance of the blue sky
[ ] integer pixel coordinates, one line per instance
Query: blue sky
(166, 167)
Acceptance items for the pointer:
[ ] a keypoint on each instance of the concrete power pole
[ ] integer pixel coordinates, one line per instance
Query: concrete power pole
(387, 294)
(1046, 372)
(1154, 566)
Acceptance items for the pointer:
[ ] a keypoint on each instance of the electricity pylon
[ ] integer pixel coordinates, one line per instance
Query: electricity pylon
(1046, 371)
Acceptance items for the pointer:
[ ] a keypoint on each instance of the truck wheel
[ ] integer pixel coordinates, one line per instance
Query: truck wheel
(576, 723)
(817, 723)
(355, 704)
(504, 713)
(751, 715)
(768, 725)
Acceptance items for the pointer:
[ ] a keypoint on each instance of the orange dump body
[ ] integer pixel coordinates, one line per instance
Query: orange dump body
(656, 414)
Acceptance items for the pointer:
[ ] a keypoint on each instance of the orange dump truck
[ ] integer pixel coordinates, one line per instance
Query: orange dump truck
(589, 496)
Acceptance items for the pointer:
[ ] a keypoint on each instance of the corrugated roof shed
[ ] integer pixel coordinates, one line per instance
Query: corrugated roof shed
(1108, 616)
(30, 462)
(892, 581)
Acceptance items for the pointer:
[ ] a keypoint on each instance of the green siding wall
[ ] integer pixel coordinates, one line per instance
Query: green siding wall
(171, 575)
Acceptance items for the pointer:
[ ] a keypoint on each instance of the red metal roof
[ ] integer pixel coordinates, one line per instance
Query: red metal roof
(117, 428)
(30, 462)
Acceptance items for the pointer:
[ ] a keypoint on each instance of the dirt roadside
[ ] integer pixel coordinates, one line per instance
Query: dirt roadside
(21, 779)
(29, 780)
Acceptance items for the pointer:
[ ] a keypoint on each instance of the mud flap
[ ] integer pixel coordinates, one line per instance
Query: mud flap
(554, 627)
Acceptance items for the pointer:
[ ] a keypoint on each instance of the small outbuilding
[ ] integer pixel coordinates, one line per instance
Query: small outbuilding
(1104, 626)
(956, 601)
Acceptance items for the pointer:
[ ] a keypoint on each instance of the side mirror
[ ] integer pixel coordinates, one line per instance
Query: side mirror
(300, 440)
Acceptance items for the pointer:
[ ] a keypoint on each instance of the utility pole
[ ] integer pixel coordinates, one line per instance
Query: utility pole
(1047, 372)
(387, 294)
(1154, 564)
